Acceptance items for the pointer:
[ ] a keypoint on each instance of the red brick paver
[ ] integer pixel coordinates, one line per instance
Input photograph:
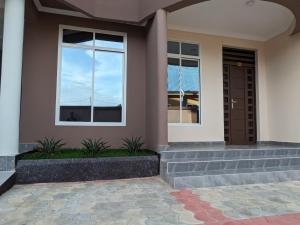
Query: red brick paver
(204, 212)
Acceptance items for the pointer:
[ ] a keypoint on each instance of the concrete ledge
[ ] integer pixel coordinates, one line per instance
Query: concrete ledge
(7, 180)
(27, 147)
(184, 145)
(277, 143)
(7, 163)
(72, 170)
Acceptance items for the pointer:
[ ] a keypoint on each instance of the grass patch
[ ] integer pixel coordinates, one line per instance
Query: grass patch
(78, 153)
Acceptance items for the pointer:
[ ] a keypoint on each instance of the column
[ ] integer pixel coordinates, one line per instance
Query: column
(10, 92)
(156, 84)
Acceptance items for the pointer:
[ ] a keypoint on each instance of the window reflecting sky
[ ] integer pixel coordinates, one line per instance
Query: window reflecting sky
(190, 81)
(77, 78)
(108, 78)
(190, 76)
(173, 78)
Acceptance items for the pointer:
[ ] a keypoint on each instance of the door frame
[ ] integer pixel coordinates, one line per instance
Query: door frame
(227, 122)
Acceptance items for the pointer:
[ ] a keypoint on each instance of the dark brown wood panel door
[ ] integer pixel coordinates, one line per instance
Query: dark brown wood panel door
(239, 96)
(239, 104)
(238, 107)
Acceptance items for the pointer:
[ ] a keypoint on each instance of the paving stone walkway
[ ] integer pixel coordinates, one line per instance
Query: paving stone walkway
(268, 204)
(149, 201)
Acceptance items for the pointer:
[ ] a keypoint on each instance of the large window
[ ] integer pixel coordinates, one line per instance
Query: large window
(183, 83)
(91, 77)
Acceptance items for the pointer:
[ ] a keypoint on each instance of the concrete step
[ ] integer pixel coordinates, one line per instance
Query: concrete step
(7, 180)
(233, 164)
(230, 177)
(224, 153)
(196, 165)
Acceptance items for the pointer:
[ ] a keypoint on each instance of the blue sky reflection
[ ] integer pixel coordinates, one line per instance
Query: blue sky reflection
(77, 78)
(190, 80)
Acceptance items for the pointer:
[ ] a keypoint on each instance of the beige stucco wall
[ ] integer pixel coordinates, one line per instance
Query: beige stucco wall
(212, 127)
(283, 69)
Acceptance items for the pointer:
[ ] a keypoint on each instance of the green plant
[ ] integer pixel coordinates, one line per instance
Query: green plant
(94, 146)
(50, 145)
(133, 144)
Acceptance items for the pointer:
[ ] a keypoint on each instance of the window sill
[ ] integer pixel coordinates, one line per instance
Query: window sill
(184, 125)
(88, 124)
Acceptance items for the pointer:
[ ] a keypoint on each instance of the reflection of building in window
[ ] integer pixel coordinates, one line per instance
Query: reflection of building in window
(183, 83)
(83, 113)
(92, 74)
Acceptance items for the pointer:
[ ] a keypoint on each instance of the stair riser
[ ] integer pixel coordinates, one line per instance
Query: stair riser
(234, 179)
(229, 154)
(175, 167)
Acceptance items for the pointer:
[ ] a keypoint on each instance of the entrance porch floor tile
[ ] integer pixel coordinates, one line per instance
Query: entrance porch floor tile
(149, 201)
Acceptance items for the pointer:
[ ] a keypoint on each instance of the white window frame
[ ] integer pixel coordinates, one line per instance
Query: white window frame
(93, 48)
(189, 57)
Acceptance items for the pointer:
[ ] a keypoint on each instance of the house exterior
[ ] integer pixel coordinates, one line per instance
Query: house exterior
(74, 69)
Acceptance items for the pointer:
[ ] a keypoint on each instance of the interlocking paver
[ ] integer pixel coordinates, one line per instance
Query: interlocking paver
(268, 204)
(149, 201)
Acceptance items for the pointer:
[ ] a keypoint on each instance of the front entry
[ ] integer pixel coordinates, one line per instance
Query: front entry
(239, 96)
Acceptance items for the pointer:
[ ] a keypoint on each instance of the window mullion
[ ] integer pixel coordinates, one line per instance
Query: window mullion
(180, 84)
(93, 88)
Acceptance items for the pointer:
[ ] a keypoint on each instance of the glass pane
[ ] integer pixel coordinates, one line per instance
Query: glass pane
(173, 75)
(173, 47)
(109, 41)
(190, 49)
(76, 84)
(191, 88)
(108, 89)
(77, 37)
(173, 90)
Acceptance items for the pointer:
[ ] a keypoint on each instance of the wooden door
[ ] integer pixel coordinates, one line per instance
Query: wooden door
(239, 103)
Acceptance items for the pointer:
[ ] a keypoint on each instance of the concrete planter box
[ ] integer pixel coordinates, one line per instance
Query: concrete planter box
(85, 169)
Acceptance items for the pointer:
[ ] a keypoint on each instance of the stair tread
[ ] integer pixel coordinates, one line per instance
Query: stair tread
(230, 148)
(195, 160)
(240, 171)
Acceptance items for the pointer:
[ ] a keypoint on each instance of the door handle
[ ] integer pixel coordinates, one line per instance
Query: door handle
(232, 103)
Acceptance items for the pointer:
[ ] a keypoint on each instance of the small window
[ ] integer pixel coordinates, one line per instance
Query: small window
(78, 37)
(173, 47)
(91, 78)
(189, 49)
(109, 41)
(184, 86)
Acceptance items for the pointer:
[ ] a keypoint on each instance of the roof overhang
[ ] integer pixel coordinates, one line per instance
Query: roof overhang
(134, 11)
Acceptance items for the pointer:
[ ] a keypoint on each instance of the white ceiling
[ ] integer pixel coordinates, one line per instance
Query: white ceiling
(247, 19)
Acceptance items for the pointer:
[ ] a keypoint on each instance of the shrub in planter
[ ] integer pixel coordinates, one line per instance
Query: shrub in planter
(94, 146)
(133, 144)
(49, 145)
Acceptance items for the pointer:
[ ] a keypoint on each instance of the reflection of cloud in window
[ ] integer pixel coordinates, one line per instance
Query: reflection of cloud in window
(189, 79)
(76, 79)
(108, 78)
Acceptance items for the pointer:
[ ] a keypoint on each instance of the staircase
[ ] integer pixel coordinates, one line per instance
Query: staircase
(194, 166)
